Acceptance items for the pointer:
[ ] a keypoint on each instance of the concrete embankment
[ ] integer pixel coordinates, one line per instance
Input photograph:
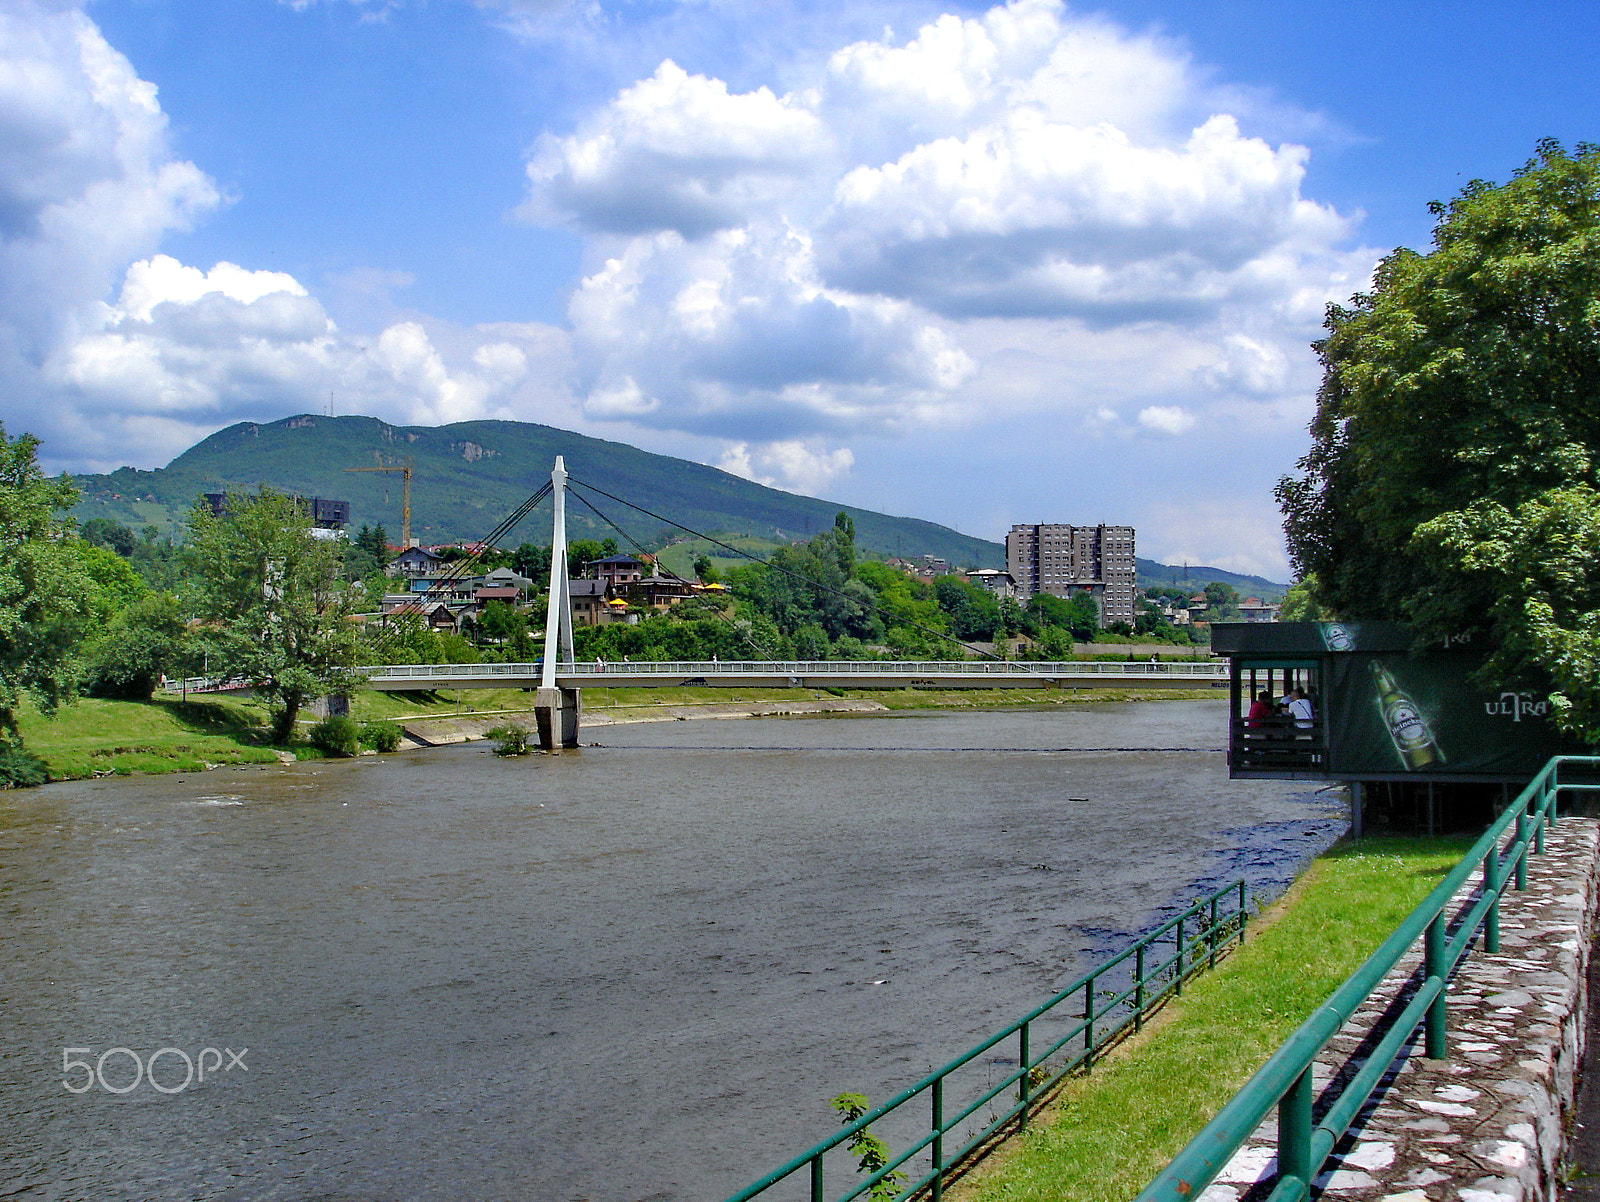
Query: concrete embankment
(1488, 1123)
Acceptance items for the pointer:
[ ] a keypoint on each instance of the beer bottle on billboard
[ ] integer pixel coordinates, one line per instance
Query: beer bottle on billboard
(1408, 729)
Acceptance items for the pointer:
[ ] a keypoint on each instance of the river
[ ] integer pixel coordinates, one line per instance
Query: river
(631, 972)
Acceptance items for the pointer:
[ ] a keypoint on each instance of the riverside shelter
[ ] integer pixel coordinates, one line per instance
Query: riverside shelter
(1384, 707)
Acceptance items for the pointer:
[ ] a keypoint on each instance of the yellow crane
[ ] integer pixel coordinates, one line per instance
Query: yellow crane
(404, 472)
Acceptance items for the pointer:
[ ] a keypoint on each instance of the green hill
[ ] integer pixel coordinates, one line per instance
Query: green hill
(469, 476)
(1196, 577)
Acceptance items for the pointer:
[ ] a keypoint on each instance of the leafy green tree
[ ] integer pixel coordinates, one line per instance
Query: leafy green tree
(973, 612)
(704, 570)
(142, 643)
(117, 584)
(1452, 480)
(1222, 602)
(103, 532)
(367, 552)
(531, 561)
(582, 552)
(274, 599)
(1302, 602)
(47, 598)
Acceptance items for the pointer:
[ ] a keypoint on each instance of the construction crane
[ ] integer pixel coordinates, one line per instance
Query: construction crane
(404, 472)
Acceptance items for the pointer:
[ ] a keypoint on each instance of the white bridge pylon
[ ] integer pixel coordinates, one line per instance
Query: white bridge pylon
(556, 710)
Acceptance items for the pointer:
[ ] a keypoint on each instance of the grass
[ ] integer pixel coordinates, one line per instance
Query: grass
(1111, 1131)
(165, 735)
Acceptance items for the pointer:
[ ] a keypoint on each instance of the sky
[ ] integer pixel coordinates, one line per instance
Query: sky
(980, 264)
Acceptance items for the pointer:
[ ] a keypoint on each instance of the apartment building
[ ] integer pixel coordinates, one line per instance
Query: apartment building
(1059, 559)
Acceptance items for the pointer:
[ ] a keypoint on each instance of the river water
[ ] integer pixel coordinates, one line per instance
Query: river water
(632, 972)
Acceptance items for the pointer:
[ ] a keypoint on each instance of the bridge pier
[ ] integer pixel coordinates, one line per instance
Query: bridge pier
(555, 713)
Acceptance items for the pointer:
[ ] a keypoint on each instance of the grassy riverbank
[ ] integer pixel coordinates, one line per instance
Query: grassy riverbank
(172, 735)
(169, 734)
(1110, 1132)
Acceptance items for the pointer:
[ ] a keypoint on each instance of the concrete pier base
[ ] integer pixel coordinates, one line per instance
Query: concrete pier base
(556, 713)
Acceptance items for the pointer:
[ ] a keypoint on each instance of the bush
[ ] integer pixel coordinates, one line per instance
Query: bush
(380, 736)
(21, 769)
(338, 735)
(509, 740)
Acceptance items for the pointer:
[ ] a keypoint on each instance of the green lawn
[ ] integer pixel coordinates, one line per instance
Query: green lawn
(165, 735)
(1113, 1130)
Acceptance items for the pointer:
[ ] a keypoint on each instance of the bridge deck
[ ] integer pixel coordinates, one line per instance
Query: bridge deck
(869, 674)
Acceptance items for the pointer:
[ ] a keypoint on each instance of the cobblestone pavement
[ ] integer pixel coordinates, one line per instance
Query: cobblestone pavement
(1486, 1124)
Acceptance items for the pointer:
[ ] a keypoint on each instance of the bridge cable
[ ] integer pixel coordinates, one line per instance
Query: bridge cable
(462, 567)
(898, 618)
(747, 635)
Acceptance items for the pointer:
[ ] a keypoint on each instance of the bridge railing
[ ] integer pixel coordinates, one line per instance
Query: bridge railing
(1309, 1127)
(950, 1113)
(1022, 669)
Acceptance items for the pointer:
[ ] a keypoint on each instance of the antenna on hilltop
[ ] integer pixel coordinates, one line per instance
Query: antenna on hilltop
(330, 402)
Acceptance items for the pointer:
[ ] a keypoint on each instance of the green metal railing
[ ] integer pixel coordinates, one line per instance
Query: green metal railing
(1308, 1127)
(1096, 1009)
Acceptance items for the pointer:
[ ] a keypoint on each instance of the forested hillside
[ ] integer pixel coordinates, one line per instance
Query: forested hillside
(468, 476)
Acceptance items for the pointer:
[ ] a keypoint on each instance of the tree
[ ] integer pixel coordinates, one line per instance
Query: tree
(141, 643)
(274, 600)
(704, 570)
(46, 596)
(1452, 479)
(531, 561)
(1302, 603)
(103, 532)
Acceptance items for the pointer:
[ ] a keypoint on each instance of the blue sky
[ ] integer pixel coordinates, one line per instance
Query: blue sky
(978, 264)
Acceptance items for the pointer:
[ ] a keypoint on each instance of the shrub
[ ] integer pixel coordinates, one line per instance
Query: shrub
(381, 736)
(338, 735)
(509, 740)
(21, 769)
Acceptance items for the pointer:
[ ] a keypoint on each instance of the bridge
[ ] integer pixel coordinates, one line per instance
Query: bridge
(557, 680)
(804, 674)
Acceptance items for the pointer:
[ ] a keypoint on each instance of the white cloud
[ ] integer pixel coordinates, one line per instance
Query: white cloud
(1166, 419)
(795, 465)
(110, 351)
(1024, 211)
(676, 152)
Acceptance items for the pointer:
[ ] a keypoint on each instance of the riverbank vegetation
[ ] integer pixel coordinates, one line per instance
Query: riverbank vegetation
(1453, 481)
(1108, 1133)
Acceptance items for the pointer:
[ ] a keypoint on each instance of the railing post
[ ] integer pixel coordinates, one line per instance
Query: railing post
(1294, 1129)
(1088, 1022)
(1493, 876)
(938, 1138)
(1177, 987)
(1522, 856)
(1434, 967)
(1211, 933)
(1025, 1086)
(1243, 917)
(1138, 987)
(816, 1179)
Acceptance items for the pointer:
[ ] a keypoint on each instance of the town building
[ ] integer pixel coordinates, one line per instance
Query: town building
(1254, 609)
(1061, 560)
(1000, 585)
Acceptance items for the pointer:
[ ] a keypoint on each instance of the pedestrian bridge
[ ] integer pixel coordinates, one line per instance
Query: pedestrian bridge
(811, 674)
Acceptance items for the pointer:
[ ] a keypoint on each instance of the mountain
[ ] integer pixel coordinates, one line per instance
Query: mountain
(1153, 574)
(469, 476)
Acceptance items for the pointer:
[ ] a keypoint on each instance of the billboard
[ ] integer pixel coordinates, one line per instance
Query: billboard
(1389, 709)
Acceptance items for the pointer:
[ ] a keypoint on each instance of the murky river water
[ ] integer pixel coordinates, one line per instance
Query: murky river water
(635, 972)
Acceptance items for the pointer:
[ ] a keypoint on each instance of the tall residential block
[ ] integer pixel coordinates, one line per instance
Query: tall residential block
(1058, 559)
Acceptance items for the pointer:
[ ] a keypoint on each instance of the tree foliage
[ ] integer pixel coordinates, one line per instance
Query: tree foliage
(1452, 480)
(274, 600)
(47, 598)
